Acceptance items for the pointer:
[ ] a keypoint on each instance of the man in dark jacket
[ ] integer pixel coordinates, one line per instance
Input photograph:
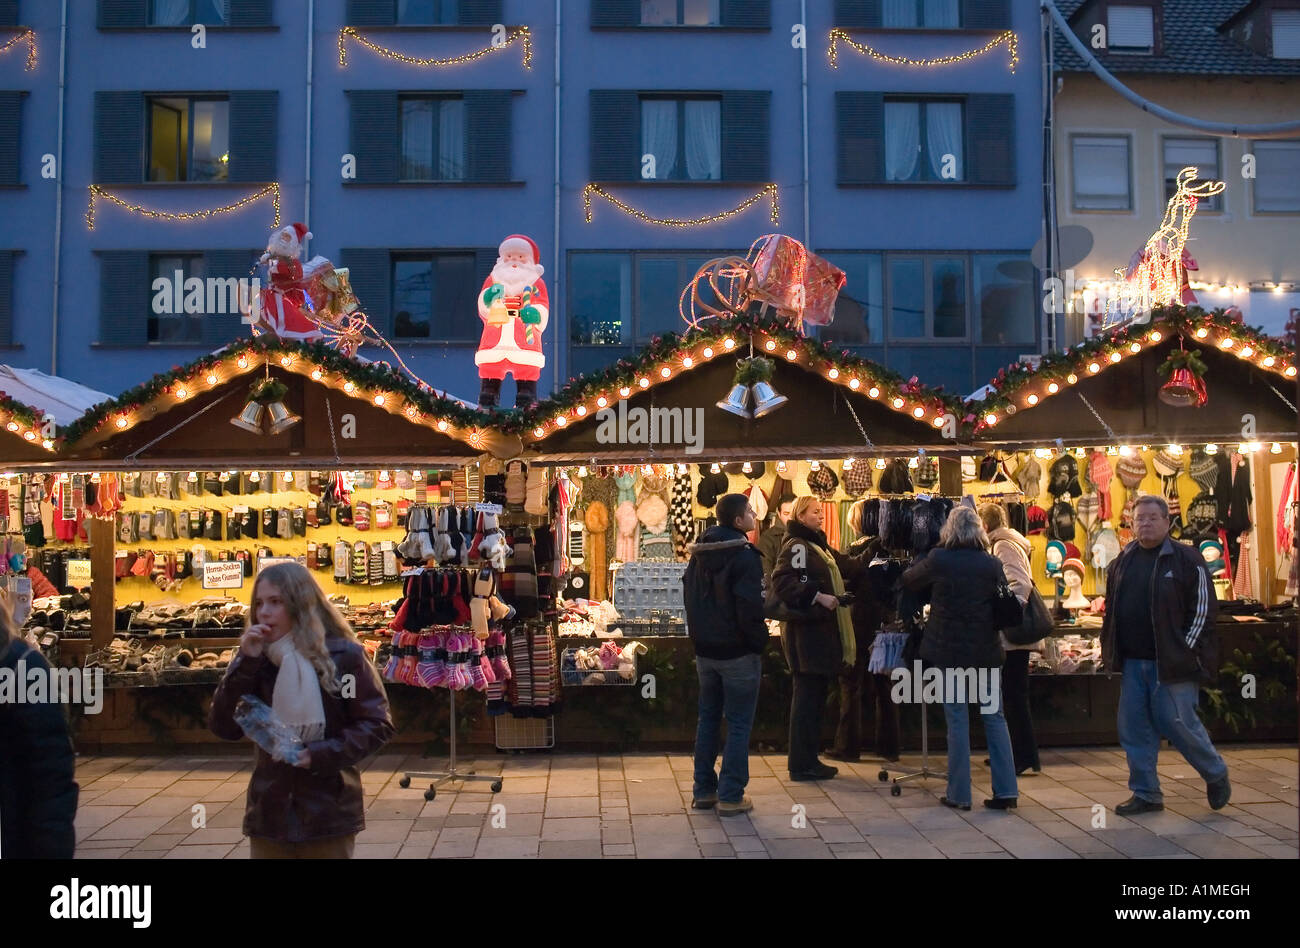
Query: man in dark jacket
(38, 792)
(724, 616)
(1159, 633)
(772, 539)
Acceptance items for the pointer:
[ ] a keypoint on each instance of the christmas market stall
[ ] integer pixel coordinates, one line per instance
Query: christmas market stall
(1188, 405)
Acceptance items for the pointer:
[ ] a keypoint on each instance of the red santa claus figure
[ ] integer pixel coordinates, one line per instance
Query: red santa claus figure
(284, 307)
(514, 308)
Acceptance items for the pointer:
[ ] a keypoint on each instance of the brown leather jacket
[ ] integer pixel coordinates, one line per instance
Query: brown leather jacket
(294, 804)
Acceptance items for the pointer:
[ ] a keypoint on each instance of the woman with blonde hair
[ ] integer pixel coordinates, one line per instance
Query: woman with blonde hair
(962, 578)
(811, 580)
(299, 656)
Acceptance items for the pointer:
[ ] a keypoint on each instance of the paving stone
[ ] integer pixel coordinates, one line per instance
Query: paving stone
(837, 831)
(385, 831)
(572, 806)
(854, 851)
(617, 834)
(717, 851)
(1138, 843)
(160, 842)
(516, 824)
(570, 849)
(571, 828)
(619, 849)
(216, 851)
(799, 849)
(214, 835)
(385, 850)
(507, 847)
(131, 827)
(456, 843)
(748, 844)
(1278, 813)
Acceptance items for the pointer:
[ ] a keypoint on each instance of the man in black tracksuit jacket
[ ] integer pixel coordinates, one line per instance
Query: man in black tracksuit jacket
(1159, 633)
(724, 616)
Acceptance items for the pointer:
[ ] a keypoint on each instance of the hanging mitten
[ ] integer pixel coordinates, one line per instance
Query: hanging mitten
(496, 652)
(473, 553)
(394, 657)
(535, 492)
(424, 668)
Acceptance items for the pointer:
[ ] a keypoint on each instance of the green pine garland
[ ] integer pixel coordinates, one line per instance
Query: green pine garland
(1182, 359)
(752, 371)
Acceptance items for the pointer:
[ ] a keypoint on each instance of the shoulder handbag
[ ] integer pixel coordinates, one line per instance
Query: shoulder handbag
(1035, 624)
(1007, 611)
(775, 608)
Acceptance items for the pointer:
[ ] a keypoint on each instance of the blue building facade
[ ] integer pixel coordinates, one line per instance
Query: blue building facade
(922, 182)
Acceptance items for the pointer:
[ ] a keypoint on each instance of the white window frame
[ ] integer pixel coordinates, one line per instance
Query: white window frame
(1133, 209)
(1253, 206)
(1110, 31)
(1203, 207)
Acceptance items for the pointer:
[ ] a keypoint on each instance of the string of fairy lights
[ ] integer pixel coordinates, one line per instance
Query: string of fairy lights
(27, 36)
(272, 189)
(1007, 37)
(922, 406)
(28, 429)
(770, 191)
(521, 33)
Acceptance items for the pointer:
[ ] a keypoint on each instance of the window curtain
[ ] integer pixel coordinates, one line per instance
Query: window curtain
(451, 140)
(703, 140)
(659, 135)
(902, 140)
(943, 132)
(171, 12)
(941, 14)
(417, 140)
(900, 13)
(658, 12)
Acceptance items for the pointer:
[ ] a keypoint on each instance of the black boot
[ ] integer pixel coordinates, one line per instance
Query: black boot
(489, 392)
(525, 394)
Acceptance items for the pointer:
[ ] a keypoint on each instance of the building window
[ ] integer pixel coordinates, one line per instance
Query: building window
(189, 139)
(1286, 34)
(931, 14)
(1130, 29)
(189, 12)
(860, 307)
(1199, 153)
(167, 276)
(684, 137)
(435, 297)
(924, 141)
(680, 12)
(1101, 173)
(1005, 300)
(427, 12)
(1277, 176)
(927, 297)
(433, 139)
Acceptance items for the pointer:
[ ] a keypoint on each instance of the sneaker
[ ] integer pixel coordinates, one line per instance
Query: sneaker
(956, 806)
(727, 808)
(1135, 804)
(1218, 793)
(706, 802)
(820, 772)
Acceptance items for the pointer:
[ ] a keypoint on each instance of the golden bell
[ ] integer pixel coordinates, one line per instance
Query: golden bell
(250, 419)
(736, 401)
(766, 400)
(281, 418)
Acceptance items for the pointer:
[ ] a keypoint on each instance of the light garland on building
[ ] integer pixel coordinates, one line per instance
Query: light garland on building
(22, 422)
(770, 191)
(518, 33)
(29, 37)
(1008, 37)
(273, 189)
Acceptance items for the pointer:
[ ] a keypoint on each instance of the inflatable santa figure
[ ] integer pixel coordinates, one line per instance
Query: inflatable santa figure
(284, 305)
(514, 308)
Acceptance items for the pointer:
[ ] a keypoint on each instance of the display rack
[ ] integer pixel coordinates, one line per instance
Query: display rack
(451, 774)
(924, 773)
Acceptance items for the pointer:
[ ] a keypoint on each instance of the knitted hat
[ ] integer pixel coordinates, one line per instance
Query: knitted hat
(1056, 556)
(712, 486)
(1132, 470)
(897, 478)
(1036, 517)
(1072, 551)
(1203, 470)
(1087, 509)
(1104, 547)
(1060, 522)
(1030, 478)
(757, 469)
(857, 479)
(1167, 464)
(1202, 517)
(1075, 565)
(823, 482)
(927, 472)
(989, 468)
(1064, 477)
(1212, 553)
(1100, 471)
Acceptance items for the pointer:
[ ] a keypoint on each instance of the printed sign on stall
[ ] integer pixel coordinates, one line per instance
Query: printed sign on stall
(223, 575)
(79, 573)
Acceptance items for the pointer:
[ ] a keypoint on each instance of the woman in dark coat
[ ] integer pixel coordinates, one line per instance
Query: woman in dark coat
(299, 656)
(962, 579)
(38, 795)
(809, 579)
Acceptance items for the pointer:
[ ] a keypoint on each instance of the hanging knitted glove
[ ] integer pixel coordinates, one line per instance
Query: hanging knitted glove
(535, 491)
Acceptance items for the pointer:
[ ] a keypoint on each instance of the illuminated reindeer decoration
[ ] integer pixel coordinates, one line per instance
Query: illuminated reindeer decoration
(1157, 274)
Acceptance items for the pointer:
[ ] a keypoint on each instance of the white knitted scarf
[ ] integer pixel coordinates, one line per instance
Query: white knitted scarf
(296, 699)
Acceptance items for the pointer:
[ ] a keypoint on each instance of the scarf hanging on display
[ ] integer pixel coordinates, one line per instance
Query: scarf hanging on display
(296, 698)
(597, 522)
(1286, 511)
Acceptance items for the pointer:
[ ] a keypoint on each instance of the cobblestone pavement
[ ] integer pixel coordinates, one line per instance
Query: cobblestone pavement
(638, 805)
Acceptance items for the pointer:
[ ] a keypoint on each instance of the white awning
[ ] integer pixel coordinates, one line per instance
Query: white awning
(65, 400)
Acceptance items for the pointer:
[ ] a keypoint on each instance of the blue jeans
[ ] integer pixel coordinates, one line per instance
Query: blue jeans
(1148, 710)
(1001, 760)
(728, 688)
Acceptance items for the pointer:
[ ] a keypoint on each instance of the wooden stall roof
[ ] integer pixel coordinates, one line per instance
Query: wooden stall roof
(1116, 385)
(378, 417)
(824, 394)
